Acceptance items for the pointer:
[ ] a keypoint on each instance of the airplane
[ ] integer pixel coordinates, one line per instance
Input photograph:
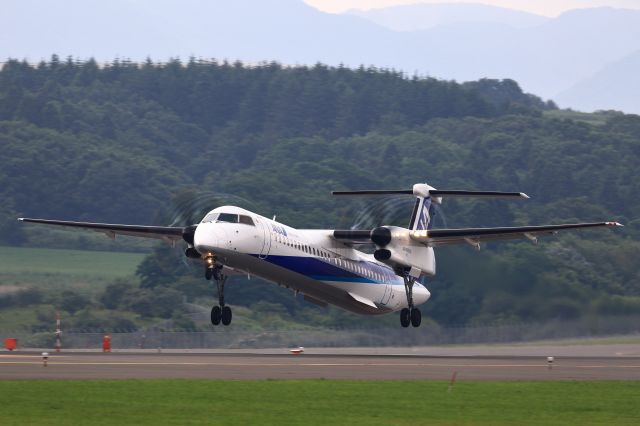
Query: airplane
(326, 265)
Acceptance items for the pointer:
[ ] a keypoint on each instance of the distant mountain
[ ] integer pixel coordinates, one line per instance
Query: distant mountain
(414, 17)
(616, 86)
(545, 59)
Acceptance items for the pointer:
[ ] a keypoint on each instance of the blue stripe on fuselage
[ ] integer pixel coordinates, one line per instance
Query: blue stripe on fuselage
(322, 270)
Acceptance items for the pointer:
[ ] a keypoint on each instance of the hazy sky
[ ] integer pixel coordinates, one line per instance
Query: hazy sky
(540, 7)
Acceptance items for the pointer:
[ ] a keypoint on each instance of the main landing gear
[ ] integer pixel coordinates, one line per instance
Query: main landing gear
(220, 313)
(410, 315)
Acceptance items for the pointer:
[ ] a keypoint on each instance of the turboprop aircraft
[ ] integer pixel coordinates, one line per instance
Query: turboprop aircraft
(325, 265)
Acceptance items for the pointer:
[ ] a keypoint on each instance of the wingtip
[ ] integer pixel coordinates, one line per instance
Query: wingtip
(21, 219)
(613, 223)
(523, 195)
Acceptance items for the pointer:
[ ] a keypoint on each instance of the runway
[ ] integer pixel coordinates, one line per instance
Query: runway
(355, 364)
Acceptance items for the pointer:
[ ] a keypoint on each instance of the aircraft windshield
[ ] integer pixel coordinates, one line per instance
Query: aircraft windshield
(228, 218)
(211, 217)
(246, 220)
(234, 218)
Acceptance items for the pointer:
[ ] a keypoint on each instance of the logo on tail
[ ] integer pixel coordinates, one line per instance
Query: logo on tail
(421, 217)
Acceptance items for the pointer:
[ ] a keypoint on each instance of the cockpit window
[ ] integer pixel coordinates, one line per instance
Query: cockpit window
(246, 220)
(211, 217)
(228, 217)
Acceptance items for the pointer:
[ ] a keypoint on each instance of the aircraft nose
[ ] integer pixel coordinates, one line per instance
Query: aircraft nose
(210, 237)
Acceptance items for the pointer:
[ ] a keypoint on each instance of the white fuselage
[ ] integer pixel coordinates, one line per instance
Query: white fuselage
(311, 262)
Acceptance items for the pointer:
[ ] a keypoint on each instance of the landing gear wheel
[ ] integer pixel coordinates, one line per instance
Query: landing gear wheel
(208, 273)
(226, 315)
(409, 315)
(405, 317)
(216, 315)
(416, 317)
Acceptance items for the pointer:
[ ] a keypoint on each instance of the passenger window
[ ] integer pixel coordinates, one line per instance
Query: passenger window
(228, 217)
(246, 220)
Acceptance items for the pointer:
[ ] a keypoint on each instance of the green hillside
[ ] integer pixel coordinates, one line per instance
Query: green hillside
(141, 143)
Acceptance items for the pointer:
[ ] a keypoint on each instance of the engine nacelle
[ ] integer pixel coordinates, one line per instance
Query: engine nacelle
(401, 250)
(192, 253)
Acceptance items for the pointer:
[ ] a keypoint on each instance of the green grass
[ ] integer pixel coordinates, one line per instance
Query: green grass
(19, 261)
(14, 318)
(87, 272)
(195, 402)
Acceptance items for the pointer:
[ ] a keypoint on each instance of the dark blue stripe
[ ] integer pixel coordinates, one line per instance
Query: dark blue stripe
(322, 270)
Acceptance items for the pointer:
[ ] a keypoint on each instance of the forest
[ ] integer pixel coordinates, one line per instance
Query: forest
(160, 143)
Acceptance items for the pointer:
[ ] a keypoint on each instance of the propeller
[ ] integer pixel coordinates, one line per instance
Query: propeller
(374, 212)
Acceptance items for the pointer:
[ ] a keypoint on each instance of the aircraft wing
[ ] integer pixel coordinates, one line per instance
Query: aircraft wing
(168, 233)
(473, 236)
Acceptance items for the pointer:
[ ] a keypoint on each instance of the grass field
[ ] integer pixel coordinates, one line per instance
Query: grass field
(21, 260)
(315, 402)
(87, 272)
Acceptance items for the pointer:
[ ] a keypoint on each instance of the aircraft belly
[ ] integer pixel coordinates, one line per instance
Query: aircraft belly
(332, 292)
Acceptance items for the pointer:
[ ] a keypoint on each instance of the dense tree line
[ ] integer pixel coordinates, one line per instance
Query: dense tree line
(141, 130)
(161, 143)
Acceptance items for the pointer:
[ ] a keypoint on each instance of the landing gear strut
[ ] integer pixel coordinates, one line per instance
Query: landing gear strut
(409, 315)
(220, 313)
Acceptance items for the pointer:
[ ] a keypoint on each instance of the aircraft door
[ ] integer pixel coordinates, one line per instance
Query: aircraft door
(266, 238)
(387, 294)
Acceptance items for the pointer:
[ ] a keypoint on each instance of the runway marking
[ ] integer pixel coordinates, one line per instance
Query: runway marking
(34, 356)
(540, 365)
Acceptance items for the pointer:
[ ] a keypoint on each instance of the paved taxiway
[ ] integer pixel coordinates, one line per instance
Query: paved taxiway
(408, 364)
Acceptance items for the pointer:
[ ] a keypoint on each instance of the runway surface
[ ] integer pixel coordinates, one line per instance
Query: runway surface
(472, 363)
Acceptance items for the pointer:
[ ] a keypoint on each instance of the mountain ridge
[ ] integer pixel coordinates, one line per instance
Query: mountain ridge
(420, 16)
(546, 59)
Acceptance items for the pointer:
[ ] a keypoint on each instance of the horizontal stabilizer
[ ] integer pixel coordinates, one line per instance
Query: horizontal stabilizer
(488, 194)
(424, 190)
(375, 192)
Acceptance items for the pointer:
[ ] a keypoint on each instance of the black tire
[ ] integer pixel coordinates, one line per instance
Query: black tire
(226, 315)
(208, 273)
(416, 317)
(405, 317)
(216, 315)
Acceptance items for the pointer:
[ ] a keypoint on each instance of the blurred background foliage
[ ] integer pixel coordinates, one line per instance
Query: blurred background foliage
(163, 143)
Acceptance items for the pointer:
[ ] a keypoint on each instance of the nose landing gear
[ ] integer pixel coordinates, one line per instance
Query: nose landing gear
(220, 313)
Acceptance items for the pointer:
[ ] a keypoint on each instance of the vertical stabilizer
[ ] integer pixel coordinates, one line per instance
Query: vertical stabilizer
(422, 210)
(421, 216)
